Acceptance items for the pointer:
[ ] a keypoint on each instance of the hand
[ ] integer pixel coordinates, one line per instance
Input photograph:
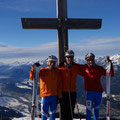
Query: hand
(61, 63)
(37, 64)
(108, 59)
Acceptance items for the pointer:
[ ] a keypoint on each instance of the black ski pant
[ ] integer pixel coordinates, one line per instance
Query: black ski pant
(66, 106)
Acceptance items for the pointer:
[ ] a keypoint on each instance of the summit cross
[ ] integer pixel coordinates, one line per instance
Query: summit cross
(62, 23)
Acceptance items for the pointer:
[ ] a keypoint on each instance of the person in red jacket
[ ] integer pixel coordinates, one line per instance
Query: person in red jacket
(69, 71)
(50, 87)
(92, 74)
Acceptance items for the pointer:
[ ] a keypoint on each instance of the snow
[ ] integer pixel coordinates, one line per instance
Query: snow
(13, 103)
(115, 59)
(4, 77)
(8, 101)
(28, 118)
(25, 100)
(104, 95)
(82, 108)
(23, 86)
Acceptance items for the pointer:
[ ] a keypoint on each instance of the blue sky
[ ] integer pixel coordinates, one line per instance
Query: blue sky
(17, 44)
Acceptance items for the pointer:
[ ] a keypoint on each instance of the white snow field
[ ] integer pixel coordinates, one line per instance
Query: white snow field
(28, 118)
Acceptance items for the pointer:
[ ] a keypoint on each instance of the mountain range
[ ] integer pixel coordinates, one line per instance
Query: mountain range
(16, 88)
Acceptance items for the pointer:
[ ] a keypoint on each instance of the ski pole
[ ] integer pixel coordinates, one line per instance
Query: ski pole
(108, 78)
(69, 94)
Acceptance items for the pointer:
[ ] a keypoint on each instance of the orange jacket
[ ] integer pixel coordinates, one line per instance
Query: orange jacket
(69, 76)
(50, 83)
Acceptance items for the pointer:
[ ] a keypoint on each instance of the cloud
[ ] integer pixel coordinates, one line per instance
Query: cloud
(103, 41)
(2, 45)
(41, 51)
(100, 47)
(23, 5)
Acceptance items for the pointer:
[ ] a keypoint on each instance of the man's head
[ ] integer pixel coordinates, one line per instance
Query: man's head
(69, 56)
(90, 58)
(51, 61)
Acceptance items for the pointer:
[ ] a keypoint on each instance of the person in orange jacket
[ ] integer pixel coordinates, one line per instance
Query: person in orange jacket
(69, 71)
(50, 87)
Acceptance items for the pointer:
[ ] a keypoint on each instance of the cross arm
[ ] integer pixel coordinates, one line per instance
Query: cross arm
(39, 23)
(84, 23)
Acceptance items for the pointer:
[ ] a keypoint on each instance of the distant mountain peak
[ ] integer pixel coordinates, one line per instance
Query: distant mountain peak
(115, 59)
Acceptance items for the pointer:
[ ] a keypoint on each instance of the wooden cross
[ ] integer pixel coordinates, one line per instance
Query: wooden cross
(62, 24)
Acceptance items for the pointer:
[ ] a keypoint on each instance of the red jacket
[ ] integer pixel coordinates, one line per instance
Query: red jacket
(92, 76)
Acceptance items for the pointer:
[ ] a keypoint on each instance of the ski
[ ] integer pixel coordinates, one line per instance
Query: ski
(78, 111)
(108, 78)
(34, 93)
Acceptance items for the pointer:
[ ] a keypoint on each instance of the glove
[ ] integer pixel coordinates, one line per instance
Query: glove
(108, 59)
(37, 64)
(61, 64)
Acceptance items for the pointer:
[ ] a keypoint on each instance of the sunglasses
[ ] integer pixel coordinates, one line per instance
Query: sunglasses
(69, 56)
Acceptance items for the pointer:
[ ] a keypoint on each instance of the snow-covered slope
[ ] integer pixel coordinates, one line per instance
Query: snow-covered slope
(14, 103)
(116, 59)
(28, 118)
